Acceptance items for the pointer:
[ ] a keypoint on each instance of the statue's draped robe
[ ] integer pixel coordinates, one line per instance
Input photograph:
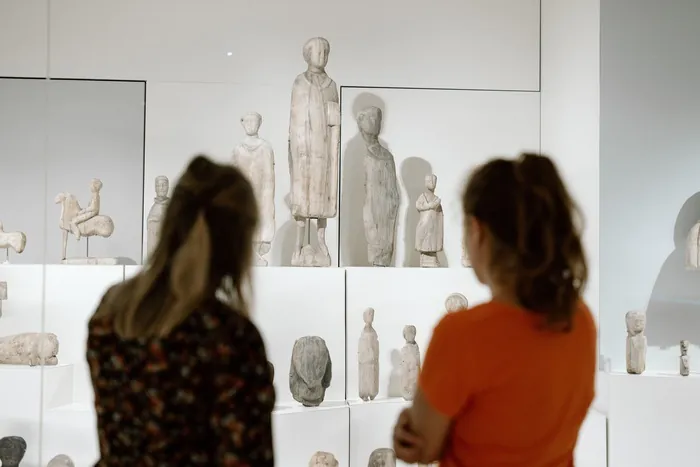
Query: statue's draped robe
(314, 159)
(692, 249)
(381, 204)
(429, 231)
(257, 162)
(155, 215)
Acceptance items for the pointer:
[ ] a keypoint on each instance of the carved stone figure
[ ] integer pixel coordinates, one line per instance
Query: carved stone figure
(155, 215)
(685, 362)
(455, 302)
(381, 190)
(429, 232)
(3, 294)
(314, 148)
(61, 460)
(83, 222)
(692, 248)
(382, 457)
(410, 363)
(465, 258)
(29, 348)
(310, 371)
(15, 240)
(12, 449)
(256, 159)
(636, 349)
(368, 359)
(323, 459)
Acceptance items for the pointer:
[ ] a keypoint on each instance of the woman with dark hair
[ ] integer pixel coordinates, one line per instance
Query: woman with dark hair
(509, 382)
(179, 371)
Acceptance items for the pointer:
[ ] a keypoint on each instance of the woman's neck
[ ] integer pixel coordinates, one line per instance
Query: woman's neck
(504, 294)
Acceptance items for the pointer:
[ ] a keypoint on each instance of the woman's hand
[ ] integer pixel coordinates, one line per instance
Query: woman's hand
(408, 445)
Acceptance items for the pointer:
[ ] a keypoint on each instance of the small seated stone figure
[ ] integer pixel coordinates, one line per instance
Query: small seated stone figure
(456, 302)
(684, 361)
(310, 371)
(92, 209)
(382, 457)
(12, 449)
(323, 459)
(30, 348)
(636, 348)
(61, 460)
(410, 363)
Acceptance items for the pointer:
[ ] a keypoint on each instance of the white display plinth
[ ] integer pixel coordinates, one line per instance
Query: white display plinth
(91, 261)
(22, 388)
(290, 303)
(654, 419)
(592, 446)
(301, 431)
(131, 270)
(371, 427)
(71, 430)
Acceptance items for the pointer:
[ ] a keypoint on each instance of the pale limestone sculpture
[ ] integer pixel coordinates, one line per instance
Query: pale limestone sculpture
(61, 460)
(3, 294)
(310, 371)
(381, 191)
(30, 348)
(429, 231)
(155, 215)
(684, 361)
(636, 348)
(368, 359)
(323, 459)
(466, 262)
(84, 222)
(382, 457)
(15, 240)
(12, 449)
(256, 159)
(410, 363)
(314, 149)
(455, 302)
(692, 248)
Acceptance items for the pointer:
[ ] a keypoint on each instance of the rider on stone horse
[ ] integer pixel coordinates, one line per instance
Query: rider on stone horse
(92, 210)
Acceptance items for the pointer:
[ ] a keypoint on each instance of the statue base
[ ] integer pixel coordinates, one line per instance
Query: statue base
(429, 260)
(93, 261)
(312, 257)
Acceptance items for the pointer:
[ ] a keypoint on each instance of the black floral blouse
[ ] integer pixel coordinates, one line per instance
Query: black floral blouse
(201, 396)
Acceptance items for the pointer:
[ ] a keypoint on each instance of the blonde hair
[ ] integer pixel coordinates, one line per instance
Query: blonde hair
(205, 248)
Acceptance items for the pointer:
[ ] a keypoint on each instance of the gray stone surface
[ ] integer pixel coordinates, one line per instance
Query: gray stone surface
(12, 449)
(310, 371)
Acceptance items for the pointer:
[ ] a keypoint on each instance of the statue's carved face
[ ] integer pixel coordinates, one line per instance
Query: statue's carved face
(370, 121)
(636, 321)
(430, 182)
(368, 315)
(684, 346)
(409, 333)
(251, 124)
(95, 185)
(162, 187)
(316, 53)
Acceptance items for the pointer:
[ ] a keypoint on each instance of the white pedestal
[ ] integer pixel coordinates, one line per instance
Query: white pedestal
(91, 261)
(70, 430)
(301, 431)
(592, 447)
(654, 420)
(371, 427)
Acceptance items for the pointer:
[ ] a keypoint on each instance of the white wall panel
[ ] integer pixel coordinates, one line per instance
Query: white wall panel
(23, 38)
(491, 44)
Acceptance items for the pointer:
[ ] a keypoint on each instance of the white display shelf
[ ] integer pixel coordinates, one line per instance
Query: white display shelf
(27, 386)
(296, 408)
(72, 430)
(371, 427)
(654, 419)
(592, 446)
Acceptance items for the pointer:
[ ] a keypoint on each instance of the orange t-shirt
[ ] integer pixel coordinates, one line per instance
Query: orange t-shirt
(516, 394)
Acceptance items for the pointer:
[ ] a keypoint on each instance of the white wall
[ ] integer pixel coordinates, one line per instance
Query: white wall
(650, 174)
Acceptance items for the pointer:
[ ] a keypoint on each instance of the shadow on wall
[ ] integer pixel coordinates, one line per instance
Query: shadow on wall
(673, 312)
(353, 250)
(413, 172)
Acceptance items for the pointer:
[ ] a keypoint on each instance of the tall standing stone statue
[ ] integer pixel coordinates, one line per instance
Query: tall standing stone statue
(692, 248)
(381, 190)
(636, 348)
(368, 359)
(310, 371)
(12, 450)
(382, 457)
(684, 361)
(323, 459)
(429, 232)
(410, 363)
(314, 148)
(155, 215)
(256, 159)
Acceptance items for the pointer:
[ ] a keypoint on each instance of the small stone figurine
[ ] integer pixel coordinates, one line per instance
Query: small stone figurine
(29, 348)
(692, 248)
(429, 232)
(323, 459)
(61, 460)
(12, 449)
(3, 294)
(382, 457)
(15, 240)
(155, 215)
(410, 363)
(636, 342)
(310, 371)
(685, 363)
(368, 359)
(456, 302)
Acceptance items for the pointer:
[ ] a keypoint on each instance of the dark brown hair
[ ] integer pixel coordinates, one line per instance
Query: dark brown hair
(535, 229)
(205, 248)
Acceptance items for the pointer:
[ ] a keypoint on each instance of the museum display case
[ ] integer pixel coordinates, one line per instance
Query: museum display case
(97, 123)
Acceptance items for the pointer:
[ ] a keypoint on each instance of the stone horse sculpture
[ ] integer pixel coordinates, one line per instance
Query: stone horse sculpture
(15, 240)
(101, 226)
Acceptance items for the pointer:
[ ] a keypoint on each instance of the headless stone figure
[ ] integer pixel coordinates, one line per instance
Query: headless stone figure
(368, 359)
(410, 363)
(310, 371)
